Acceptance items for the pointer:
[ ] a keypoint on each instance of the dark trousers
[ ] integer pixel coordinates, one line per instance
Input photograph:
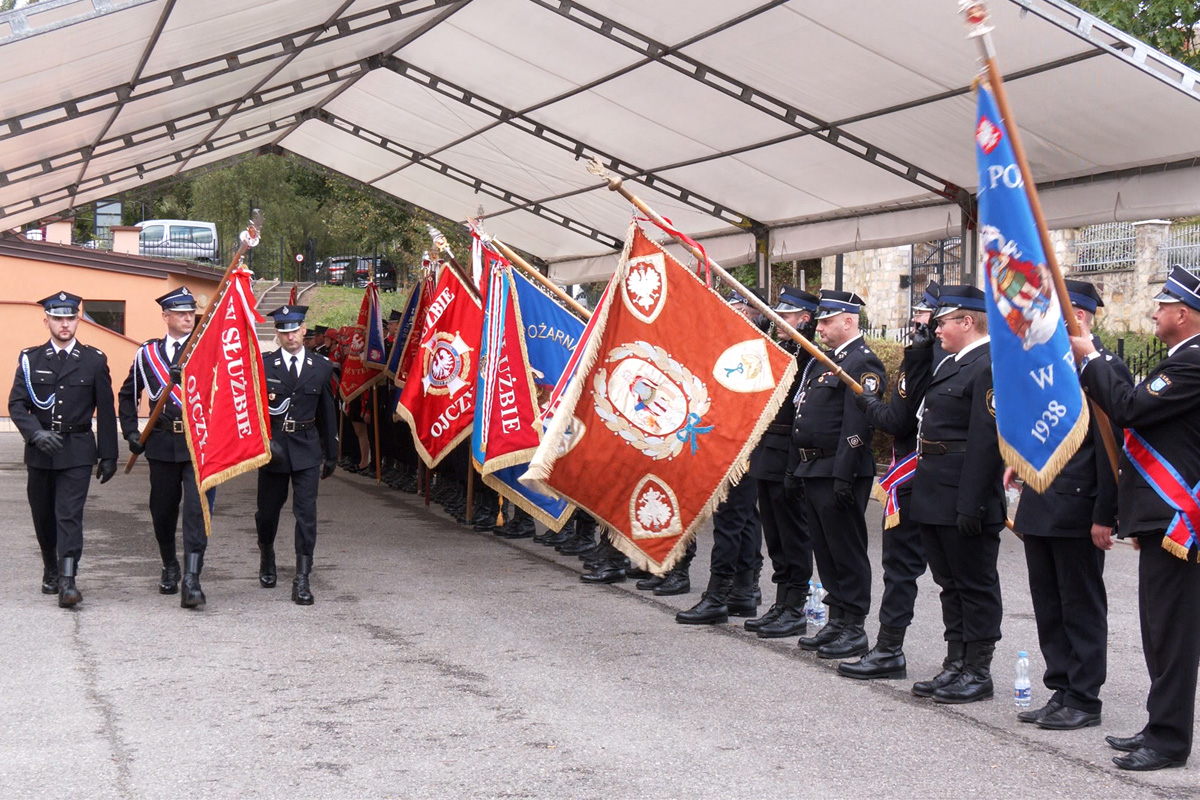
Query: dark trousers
(1066, 582)
(170, 483)
(839, 539)
(965, 570)
(1169, 606)
(737, 534)
(786, 533)
(273, 493)
(56, 499)
(903, 564)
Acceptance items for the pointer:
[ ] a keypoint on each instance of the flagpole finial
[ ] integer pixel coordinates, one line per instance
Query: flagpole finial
(976, 16)
(439, 241)
(599, 170)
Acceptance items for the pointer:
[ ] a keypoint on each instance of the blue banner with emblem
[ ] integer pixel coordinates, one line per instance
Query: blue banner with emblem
(1040, 412)
(403, 333)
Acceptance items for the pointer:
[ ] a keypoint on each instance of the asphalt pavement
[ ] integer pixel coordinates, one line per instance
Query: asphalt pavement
(440, 662)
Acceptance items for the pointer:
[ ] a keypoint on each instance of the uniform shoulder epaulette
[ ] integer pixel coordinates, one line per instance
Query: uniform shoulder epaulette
(94, 349)
(149, 341)
(321, 357)
(32, 349)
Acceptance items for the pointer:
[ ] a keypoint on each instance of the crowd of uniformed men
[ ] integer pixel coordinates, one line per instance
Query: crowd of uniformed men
(805, 494)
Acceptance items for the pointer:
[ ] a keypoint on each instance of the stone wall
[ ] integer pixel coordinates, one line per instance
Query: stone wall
(876, 276)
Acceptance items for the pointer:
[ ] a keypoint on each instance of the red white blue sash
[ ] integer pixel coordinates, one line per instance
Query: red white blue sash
(161, 369)
(1170, 486)
(898, 474)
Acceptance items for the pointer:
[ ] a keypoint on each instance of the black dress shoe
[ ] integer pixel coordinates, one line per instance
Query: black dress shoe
(1145, 759)
(1069, 719)
(168, 580)
(604, 575)
(1126, 744)
(50, 581)
(1033, 715)
(646, 584)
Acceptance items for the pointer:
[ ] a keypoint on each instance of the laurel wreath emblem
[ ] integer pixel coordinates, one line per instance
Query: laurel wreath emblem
(656, 447)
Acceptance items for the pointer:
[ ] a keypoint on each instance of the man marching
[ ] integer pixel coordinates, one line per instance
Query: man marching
(57, 388)
(172, 477)
(303, 447)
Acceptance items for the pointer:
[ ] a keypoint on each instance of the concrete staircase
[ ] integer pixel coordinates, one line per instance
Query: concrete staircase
(271, 299)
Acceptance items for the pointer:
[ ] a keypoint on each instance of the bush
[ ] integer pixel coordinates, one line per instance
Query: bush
(891, 353)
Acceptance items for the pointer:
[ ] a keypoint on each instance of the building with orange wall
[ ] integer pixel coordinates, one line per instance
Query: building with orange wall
(120, 289)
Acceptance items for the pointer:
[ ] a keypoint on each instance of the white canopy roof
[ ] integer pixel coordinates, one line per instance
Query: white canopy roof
(837, 126)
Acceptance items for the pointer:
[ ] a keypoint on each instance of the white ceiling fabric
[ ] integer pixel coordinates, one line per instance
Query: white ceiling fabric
(829, 127)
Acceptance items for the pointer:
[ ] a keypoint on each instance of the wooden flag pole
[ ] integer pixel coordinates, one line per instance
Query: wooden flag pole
(616, 184)
(979, 29)
(541, 279)
(443, 247)
(249, 239)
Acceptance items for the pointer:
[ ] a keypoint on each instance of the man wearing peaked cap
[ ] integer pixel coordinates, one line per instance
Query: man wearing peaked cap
(1161, 417)
(57, 388)
(1065, 531)
(303, 447)
(784, 527)
(832, 455)
(172, 478)
(958, 497)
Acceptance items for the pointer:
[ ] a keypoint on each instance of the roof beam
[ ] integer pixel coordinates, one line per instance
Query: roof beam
(807, 123)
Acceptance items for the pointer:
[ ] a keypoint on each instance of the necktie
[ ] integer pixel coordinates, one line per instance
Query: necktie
(62, 356)
(175, 348)
(292, 368)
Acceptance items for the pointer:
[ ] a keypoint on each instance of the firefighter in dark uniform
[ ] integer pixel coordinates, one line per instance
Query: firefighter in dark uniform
(958, 498)
(903, 555)
(1066, 530)
(172, 477)
(57, 388)
(736, 558)
(303, 447)
(832, 455)
(783, 524)
(1161, 417)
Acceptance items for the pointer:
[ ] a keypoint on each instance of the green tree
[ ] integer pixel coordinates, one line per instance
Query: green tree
(1167, 25)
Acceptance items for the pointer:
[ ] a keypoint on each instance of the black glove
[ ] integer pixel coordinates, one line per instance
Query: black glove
(135, 445)
(969, 526)
(808, 329)
(277, 453)
(48, 442)
(106, 469)
(867, 399)
(843, 493)
(922, 338)
(330, 466)
(177, 374)
(793, 487)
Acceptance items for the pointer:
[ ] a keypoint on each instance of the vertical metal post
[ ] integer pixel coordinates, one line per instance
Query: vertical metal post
(968, 212)
(762, 258)
(839, 269)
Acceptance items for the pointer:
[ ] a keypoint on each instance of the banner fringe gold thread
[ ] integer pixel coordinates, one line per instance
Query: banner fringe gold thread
(1040, 480)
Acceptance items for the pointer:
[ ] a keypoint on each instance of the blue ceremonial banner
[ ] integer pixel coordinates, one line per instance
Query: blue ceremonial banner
(402, 335)
(375, 354)
(1040, 411)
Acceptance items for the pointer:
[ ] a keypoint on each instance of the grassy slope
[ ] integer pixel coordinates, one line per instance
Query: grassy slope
(336, 305)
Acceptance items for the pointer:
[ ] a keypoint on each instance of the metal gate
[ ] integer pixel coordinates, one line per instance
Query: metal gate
(939, 261)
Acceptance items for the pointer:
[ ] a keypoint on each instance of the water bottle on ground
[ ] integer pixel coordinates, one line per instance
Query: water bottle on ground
(1021, 687)
(820, 610)
(808, 603)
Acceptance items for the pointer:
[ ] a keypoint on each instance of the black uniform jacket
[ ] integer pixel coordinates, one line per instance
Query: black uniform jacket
(828, 420)
(1085, 492)
(163, 444)
(1164, 409)
(303, 415)
(769, 460)
(899, 415)
(959, 412)
(79, 386)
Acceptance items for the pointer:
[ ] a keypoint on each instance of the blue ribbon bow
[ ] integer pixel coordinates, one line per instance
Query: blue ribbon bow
(692, 430)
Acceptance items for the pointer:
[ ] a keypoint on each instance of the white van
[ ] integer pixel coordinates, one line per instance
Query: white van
(179, 238)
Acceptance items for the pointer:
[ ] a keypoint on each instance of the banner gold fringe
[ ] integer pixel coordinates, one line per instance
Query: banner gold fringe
(1040, 480)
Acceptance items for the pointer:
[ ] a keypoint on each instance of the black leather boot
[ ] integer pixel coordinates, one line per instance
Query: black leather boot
(522, 526)
(952, 665)
(781, 593)
(568, 526)
(268, 576)
(827, 634)
(68, 595)
(49, 572)
(301, 593)
(485, 515)
(583, 540)
(168, 578)
(610, 569)
(679, 579)
(884, 660)
(745, 596)
(191, 595)
(975, 681)
(712, 608)
(653, 582)
(851, 640)
(791, 619)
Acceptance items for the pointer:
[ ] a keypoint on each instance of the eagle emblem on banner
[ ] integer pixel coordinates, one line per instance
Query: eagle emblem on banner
(447, 364)
(645, 289)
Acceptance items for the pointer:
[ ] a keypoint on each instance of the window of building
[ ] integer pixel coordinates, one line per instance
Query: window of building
(106, 313)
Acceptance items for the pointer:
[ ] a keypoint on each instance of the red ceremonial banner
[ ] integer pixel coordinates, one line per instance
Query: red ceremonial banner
(358, 373)
(225, 392)
(672, 393)
(438, 400)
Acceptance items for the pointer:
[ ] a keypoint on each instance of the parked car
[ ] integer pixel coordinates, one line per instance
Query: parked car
(356, 271)
(179, 238)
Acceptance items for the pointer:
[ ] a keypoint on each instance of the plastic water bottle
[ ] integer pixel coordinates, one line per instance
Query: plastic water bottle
(819, 609)
(1021, 687)
(808, 604)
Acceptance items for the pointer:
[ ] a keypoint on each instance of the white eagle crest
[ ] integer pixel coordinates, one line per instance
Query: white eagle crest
(643, 284)
(654, 513)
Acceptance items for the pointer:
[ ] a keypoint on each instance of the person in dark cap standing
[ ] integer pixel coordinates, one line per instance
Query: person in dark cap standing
(783, 523)
(1066, 530)
(832, 455)
(303, 447)
(958, 498)
(1156, 496)
(172, 477)
(57, 388)
(903, 555)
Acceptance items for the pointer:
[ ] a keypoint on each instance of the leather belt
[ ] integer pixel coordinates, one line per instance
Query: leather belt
(813, 453)
(170, 425)
(292, 425)
(81, 427)
(779, 427)
(928, 448)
